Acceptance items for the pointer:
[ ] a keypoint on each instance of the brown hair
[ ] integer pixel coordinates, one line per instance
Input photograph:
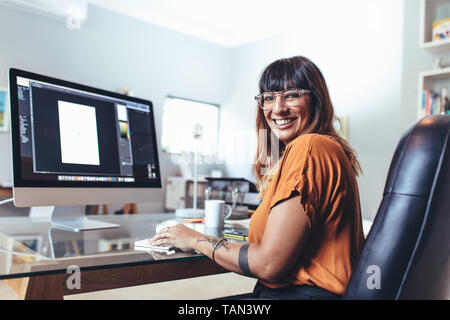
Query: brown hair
(295, 72)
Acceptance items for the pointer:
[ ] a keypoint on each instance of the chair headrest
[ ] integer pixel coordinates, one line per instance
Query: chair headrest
(417, 156)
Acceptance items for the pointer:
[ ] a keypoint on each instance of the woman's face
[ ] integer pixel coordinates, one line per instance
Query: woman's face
(288, 122)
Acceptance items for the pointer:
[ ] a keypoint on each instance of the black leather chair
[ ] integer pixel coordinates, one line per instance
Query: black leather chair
(407, 251)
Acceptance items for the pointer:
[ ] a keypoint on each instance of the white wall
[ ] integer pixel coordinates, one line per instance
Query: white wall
(360, 55)
(109, 52)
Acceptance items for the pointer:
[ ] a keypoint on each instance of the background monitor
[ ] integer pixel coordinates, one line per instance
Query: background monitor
(76, 145)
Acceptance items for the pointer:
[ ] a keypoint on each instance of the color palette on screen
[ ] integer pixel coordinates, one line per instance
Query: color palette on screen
(124, 130)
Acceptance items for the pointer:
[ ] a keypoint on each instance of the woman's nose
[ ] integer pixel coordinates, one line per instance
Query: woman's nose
(278, 105)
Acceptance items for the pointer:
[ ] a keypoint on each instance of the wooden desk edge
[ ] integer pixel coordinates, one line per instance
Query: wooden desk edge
(56, 286)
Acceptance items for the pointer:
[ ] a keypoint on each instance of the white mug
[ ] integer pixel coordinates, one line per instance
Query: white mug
(214, 213)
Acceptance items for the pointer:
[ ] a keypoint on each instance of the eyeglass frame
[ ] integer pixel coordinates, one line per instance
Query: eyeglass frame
(259, 97)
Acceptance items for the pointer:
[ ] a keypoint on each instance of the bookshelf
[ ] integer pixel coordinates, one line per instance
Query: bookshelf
(434, 84)
(437, 46)
(434, 81)
(433, 10)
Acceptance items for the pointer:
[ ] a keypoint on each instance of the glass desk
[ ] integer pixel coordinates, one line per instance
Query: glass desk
(38, 260)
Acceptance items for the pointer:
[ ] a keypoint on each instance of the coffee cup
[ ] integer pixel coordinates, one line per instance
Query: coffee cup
(215, 213)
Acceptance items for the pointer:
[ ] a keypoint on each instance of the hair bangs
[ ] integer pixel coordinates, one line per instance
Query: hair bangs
(281, 75)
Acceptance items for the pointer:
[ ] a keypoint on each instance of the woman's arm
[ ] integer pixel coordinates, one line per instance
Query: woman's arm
(286, 230)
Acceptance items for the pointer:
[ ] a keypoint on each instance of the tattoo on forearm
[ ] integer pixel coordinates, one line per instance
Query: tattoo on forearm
(213, 241)
(243, 261)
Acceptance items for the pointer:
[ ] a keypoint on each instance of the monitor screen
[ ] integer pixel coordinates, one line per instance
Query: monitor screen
(69, 135)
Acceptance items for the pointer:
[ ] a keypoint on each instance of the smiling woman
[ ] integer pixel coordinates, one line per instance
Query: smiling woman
(306, 234)
(288, 115)
(293, 100)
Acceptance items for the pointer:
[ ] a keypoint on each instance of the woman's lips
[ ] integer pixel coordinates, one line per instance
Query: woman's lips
(285, 126)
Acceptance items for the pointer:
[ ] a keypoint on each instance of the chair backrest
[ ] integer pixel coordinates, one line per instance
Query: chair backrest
(406, 254)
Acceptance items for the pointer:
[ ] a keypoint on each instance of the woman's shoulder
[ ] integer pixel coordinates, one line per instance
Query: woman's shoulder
(317, 146)
(314, 141)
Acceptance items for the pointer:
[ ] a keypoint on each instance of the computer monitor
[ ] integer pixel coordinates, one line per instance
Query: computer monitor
(74, 145)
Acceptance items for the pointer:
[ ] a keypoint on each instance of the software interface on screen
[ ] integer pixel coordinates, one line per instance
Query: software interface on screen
(79, 136)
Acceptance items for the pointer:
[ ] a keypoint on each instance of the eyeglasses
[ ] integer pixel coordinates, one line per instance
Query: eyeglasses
(291, 97)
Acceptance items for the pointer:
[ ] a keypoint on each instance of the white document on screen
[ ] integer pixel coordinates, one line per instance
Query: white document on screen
(78, 134)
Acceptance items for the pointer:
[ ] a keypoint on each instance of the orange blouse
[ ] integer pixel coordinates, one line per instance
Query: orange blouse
(317, 167)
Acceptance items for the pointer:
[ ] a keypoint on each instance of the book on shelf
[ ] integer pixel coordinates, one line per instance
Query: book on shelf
(434, 103)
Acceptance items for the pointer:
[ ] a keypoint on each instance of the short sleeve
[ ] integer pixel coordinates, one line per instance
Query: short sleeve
(311, 166)
(292, 177)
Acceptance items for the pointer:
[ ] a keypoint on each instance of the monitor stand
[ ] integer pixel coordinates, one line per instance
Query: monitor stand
(74, 218)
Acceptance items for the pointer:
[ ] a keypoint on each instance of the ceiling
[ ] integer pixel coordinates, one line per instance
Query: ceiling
(227, 23)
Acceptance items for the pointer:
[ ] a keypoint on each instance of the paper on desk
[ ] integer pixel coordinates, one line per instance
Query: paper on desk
(238, 223)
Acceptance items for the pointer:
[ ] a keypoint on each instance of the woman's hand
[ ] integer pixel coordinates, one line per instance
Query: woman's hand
(178, 236)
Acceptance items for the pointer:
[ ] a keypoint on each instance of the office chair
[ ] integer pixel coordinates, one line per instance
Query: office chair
(406, 254)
